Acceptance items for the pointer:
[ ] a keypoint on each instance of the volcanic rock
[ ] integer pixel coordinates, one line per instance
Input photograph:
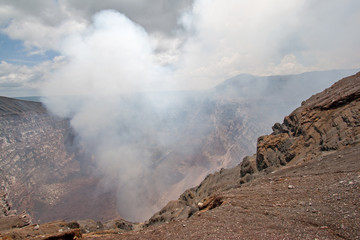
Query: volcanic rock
(325, 122)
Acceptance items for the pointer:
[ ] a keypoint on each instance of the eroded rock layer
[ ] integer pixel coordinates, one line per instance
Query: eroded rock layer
(327, 121)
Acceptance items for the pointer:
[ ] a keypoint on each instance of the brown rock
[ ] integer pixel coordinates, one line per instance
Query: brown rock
(327, 121)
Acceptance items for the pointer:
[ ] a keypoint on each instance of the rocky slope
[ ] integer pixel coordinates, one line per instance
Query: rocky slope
(314, 200)
(318, 147)
(327, 121)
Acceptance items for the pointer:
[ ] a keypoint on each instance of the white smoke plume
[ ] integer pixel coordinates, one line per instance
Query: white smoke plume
(103, 89)
(113, 72)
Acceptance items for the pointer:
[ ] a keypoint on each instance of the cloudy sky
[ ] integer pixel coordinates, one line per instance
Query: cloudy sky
(168, 44)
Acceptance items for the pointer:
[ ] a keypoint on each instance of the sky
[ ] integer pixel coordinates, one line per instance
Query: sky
(172, 44)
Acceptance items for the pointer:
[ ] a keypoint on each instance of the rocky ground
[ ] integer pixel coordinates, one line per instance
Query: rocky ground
(318, 199)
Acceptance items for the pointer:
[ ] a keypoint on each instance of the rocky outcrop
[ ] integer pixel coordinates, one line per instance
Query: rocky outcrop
(325, 122)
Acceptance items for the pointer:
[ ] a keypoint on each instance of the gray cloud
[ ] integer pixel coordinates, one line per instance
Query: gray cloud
(156, 15)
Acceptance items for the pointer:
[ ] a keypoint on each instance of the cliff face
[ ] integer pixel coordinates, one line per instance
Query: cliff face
(32, 139)
(327, 121)
(33, 147)
(40, 167)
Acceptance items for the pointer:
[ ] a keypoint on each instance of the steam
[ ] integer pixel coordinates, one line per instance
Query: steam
(115, 80)
(105, 89)
(110, 59)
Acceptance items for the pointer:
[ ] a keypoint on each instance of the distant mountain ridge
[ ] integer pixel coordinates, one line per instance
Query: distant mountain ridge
(285, 92)
(276, 82)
